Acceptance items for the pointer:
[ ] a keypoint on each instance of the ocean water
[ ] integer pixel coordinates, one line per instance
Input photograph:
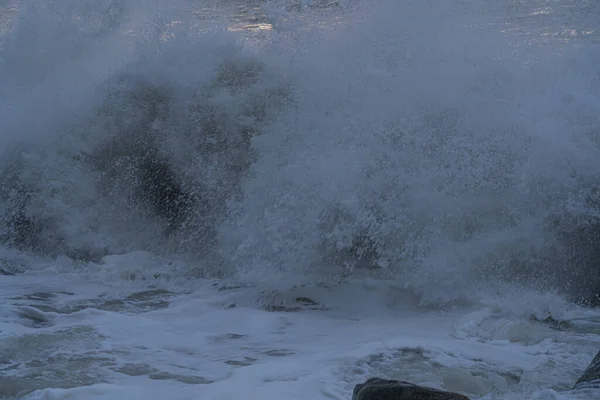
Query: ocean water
(281, 199)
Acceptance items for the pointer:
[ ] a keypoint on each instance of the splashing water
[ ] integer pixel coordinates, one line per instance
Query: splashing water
(427, 150)
(440, 156)
(447, 151)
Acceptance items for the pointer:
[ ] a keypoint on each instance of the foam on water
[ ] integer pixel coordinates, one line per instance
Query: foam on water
(208, 339)
(397, 189)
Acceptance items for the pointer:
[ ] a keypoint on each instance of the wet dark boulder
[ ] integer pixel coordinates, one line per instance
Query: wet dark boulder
(591, 375)
(387, 389)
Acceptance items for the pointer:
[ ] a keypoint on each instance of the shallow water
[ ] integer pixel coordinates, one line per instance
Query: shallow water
(67, 337)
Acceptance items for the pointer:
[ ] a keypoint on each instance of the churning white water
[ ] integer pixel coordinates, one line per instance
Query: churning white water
(222, 200)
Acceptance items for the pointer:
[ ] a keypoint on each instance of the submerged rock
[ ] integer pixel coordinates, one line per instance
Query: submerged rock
(386, 389)
(591, 373)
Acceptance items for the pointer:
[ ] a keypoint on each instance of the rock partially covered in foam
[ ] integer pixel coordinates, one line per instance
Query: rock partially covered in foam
(386, 389)
(591, 375)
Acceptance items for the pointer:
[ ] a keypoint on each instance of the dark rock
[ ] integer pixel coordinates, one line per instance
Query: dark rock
(386, 389)
(591, 373)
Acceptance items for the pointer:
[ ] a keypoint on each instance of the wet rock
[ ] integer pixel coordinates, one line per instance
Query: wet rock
(386, 389)
(591, 373)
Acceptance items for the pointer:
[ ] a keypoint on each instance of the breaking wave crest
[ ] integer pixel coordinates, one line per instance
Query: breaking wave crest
(413, 142)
